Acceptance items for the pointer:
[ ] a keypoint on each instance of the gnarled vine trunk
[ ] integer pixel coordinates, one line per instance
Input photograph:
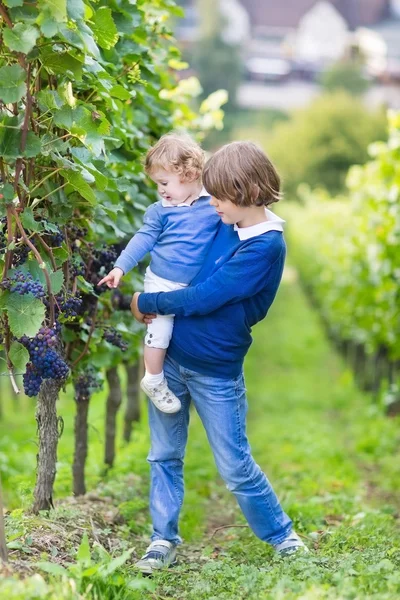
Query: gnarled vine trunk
(114, 400)
(47, 426)
(3, 546)
(81, 445)
(132, 412)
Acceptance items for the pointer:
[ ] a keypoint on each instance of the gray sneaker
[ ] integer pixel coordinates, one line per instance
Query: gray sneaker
(291, 545)
(159, 555)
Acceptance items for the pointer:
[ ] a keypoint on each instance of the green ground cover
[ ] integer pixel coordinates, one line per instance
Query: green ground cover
(329, 450)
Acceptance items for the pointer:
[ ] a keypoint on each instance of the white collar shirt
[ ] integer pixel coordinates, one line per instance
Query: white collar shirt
(272, 223)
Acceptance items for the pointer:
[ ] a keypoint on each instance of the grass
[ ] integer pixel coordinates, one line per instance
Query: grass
(329, 450)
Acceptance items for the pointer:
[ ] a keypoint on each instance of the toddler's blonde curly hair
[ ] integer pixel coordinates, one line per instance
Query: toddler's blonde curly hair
(176, 153)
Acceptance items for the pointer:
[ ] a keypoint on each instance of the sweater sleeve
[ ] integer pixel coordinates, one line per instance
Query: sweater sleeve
(245, 274)
(143, 241)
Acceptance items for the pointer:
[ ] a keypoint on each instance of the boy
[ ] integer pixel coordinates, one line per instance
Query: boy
(213, 319)
(178, 231)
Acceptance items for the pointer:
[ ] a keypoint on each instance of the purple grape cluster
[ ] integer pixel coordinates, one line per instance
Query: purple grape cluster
(45, 363)
(71, 307)
(104, 258)
(3, 240)
(86, 383)
(113, 337)
(32, 381)
(45, 338)
(20, 255)
(75, 232)
(77, 266)
(121, 301)
(23, 283)
(56, 239)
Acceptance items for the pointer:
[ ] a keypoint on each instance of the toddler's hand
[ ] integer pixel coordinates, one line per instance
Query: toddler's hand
(113, 278)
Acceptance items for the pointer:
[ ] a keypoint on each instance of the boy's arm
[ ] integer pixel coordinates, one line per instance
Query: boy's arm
(245, 274)
(143, 241)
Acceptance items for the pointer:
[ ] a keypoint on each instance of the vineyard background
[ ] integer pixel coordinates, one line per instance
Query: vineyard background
(85, 89)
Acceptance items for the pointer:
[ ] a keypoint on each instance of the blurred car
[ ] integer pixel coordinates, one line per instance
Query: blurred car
(259, 68)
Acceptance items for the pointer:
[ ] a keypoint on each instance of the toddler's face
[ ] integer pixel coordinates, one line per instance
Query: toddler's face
(171, 188)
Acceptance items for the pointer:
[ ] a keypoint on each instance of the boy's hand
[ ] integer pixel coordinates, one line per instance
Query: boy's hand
(113, 278)
(134, 308)
(142, 318)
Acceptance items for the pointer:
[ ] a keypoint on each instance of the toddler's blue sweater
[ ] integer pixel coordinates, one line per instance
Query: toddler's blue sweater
(177, 237)
(233, 291)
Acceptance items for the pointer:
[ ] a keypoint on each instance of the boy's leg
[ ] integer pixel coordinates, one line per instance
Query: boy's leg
(168, 433)
(222, 407)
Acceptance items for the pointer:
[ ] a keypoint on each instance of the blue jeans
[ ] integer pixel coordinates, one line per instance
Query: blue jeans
(222, 407)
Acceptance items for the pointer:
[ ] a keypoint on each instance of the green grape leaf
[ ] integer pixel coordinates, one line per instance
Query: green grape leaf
(56, 8)
(60, 63)
(49, 99)
(57, 281)
(25, 314)
(7, 191)
(75, 9)
(29, 222)
(21, 38)
(33, 145)
(13, 3)
(104, 28)
(12, 83)
(9, 142)
(118, 91)
(79, 184)
(60, 256)
(19, 356)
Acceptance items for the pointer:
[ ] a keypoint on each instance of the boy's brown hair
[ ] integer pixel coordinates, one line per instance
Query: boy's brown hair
(176, 153)
(242, 173)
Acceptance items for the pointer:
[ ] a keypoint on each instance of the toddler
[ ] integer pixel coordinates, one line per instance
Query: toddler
(178, 231)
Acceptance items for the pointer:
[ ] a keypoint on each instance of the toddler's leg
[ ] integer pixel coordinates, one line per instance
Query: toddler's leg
(154, 383)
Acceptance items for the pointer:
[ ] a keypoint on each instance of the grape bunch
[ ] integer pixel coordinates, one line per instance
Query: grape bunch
(75, 232)
(45, 338)
(23, 283)
(86, 383)
(104, 259)
(20, 255)
(71, 307)
(3, 239)
(112, 336)
(77, 266)
(56, 239)
(45, 362)
(121, 301)
(32, 381)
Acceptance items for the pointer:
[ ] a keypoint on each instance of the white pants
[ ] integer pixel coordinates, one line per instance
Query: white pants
(159, 332)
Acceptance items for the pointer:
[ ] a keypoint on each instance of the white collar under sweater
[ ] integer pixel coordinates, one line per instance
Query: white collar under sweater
(273, 223)
(203, 192)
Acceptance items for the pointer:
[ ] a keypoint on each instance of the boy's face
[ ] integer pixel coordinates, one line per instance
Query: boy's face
(228, 212)
(170, 187)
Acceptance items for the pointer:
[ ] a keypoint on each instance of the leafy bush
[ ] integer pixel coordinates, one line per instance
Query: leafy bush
(347, 76)
(347, 250)
(320, 143)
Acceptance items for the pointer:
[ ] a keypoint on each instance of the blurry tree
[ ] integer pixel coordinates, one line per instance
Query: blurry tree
(218, 65)
(345, 75)
(319, 144)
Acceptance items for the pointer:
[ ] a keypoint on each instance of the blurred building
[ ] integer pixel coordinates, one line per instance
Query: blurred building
(285, 38)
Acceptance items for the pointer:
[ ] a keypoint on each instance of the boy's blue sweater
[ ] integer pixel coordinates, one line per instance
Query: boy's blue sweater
(177, 237)
(231, 293)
